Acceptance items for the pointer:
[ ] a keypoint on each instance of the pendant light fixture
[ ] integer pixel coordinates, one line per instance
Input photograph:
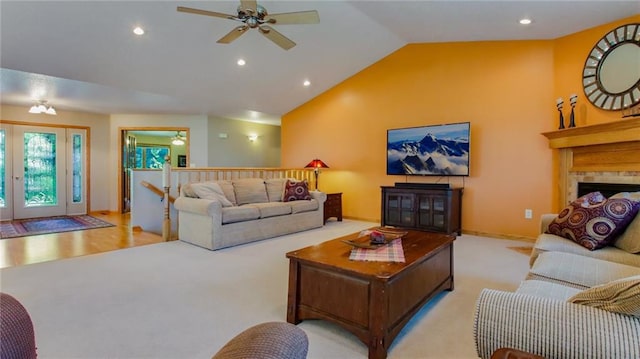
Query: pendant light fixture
(41, 107)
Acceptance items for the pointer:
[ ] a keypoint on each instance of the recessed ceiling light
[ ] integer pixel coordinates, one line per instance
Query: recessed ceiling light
(241, 62)
(306, 83)
(525, 21)
(138, 30)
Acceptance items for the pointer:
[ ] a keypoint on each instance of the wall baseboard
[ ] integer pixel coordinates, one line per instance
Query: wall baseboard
(512, 237)
(501, 236)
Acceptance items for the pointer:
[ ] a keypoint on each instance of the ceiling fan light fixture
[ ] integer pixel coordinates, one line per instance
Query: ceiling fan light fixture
(177, 140)
(254, 16)
(34, 109)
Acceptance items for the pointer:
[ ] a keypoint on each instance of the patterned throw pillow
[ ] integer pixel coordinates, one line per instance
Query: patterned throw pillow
(594, 226)
(629, 241)
(619, 296)
(296, 191)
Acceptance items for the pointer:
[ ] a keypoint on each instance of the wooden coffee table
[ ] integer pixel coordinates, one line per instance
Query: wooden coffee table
(373, 300)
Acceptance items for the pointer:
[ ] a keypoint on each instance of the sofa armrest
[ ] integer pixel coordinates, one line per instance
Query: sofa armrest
(552, 328)
(205, 207)
(545, 220)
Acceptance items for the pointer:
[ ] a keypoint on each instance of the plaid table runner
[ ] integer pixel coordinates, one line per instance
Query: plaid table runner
(389, 253)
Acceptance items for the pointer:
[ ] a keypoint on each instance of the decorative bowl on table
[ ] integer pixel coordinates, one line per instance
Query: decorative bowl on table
(375, 238)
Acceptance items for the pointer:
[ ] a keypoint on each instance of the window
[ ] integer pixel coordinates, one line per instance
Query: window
(151, 156)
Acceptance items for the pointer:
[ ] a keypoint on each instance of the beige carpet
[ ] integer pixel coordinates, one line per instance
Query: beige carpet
(175, 300)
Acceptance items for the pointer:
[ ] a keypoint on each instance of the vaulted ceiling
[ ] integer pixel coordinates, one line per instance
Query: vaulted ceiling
(83, 55)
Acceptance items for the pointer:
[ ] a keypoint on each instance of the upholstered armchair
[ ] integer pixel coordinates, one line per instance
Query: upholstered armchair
(17, 337)
(272, 340)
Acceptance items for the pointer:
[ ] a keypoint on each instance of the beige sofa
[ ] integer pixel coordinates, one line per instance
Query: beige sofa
(222, 214)
(543, 316)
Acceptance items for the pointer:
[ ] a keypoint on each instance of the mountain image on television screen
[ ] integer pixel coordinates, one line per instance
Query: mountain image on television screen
(441, 154)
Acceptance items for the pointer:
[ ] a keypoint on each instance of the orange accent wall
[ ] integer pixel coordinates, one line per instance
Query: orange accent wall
(506, 89)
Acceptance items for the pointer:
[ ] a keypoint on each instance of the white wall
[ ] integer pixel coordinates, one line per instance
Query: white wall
(147, 210)
(236, 150)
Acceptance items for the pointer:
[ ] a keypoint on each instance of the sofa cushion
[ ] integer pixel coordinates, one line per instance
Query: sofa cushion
(619, 296)
(275, 188)
(594, 225)
(239, 214)
(553, 243)
(187, 191)
(250, 190)
(272, 209)
(545, 289)
(629, 240)
(579, 270)
(211, 190)
(227, 188)
(296, 191)
(303, 206)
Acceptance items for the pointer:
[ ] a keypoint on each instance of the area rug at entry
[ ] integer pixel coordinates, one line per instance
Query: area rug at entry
(30, 227)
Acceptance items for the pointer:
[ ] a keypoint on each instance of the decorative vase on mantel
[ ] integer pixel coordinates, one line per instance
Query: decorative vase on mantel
(559, 103)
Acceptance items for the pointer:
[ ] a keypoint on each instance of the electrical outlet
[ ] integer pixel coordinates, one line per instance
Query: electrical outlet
(528, 214)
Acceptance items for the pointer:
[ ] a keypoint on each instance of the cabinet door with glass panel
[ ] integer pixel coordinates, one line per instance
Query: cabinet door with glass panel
(432, 212)
(399, 209)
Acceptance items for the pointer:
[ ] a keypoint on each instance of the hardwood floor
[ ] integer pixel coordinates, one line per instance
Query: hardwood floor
(48, 247)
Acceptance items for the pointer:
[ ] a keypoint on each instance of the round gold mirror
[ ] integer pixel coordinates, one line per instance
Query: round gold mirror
(611, 76)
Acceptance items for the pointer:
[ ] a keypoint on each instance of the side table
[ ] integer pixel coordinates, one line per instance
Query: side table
(333, 206)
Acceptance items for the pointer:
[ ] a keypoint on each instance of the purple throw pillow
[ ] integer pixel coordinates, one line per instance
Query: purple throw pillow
(594, 226)
(296, 191)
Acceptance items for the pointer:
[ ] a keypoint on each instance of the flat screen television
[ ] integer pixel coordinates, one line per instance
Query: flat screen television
(435, 150)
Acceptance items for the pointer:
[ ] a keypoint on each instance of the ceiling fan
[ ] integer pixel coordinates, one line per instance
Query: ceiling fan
(254, 16)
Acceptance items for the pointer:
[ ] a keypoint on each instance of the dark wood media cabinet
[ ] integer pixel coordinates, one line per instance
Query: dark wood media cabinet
(421, 207)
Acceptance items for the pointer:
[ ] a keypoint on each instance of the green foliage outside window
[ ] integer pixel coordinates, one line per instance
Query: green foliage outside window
(151, 156)
(77, 168)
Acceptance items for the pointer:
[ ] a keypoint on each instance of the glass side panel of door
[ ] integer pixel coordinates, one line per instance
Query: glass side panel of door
(76, 148)
(3, 169)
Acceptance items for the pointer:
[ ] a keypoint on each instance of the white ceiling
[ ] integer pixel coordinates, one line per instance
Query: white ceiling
(83, 56)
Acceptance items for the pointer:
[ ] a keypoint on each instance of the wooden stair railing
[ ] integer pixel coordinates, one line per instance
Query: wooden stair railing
(156, 190)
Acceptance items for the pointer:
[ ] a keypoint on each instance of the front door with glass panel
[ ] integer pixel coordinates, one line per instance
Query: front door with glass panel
(43, 171)
(39, 167)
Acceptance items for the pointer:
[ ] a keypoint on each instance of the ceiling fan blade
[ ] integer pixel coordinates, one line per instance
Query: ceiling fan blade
(279, 39)
(249, 5)
(233, 34)
(205, 12)
(300, 17)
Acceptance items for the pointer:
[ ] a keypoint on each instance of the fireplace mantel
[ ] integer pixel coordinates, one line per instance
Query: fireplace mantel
(608, 152)
(604, 133)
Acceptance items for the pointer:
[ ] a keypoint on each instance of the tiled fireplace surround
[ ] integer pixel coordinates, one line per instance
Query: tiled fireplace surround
(603, 153)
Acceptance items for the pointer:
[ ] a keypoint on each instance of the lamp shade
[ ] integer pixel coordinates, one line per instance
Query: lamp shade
(316, 163)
